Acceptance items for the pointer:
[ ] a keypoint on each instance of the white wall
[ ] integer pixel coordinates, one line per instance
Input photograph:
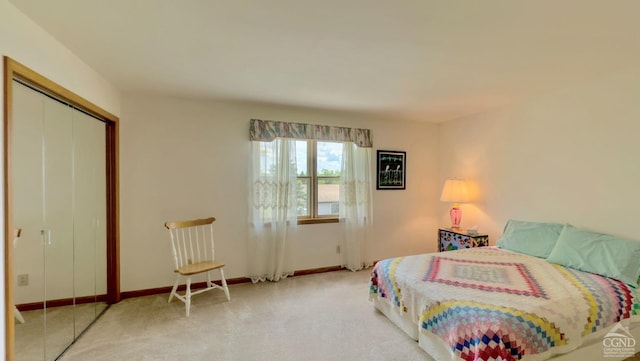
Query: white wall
(185, 158)
(568, 156)
(27, 43)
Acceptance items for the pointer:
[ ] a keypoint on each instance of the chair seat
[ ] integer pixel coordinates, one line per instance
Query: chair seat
(199, 267)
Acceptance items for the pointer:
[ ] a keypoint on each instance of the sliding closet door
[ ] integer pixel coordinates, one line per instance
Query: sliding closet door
(90, 217)
(43, 209)
(28, 214)
(58, 225)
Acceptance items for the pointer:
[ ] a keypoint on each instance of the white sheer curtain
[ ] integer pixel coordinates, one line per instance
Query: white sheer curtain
(272, 209)
(356, 204)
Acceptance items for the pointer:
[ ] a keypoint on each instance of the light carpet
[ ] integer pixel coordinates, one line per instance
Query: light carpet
(316, 317)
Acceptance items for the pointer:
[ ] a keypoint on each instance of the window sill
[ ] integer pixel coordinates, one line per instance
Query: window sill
(318, 220)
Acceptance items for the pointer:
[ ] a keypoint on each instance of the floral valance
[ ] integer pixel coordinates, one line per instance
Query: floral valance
(268, 130)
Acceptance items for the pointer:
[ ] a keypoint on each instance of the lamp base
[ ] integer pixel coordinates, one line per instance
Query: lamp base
(456, 215)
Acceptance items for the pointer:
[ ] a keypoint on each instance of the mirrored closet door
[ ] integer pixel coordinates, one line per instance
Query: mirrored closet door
(59, 200)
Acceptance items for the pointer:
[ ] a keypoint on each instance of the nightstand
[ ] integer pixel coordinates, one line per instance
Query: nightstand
(452, 239)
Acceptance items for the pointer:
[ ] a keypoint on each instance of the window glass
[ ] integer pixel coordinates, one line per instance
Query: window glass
(303, 197)
(329, 157)
(302, 157)
(328, 163)
(318, 187)
(303, 184)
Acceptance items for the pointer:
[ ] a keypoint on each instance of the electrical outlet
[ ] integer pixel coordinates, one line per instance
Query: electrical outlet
(338, 249)
(23, 280)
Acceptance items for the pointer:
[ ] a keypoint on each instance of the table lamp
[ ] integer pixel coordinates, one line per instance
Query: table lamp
(455, 190)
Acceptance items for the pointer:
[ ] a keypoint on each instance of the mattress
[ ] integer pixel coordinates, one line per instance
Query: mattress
(489, 303)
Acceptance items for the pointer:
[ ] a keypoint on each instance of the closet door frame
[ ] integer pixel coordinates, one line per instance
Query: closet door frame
(14, 70)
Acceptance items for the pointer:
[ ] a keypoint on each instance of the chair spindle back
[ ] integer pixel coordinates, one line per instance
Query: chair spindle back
(192, 241)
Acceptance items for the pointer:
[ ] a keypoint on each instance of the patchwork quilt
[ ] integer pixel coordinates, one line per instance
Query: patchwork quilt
(492, 304)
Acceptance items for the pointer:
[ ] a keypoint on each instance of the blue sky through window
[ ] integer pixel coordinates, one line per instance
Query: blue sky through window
(329, 155)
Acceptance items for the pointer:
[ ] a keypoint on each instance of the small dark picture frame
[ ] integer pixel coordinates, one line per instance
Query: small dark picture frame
(391, 169)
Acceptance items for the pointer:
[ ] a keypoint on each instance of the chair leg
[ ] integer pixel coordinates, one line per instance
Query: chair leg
(209, 283)
(173, 290)
(224, 284)
(187, 297)
(17, 314)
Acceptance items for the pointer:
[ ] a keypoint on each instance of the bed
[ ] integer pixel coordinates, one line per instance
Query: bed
(491, 303)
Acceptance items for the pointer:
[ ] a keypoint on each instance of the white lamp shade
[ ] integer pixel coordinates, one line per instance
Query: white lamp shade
(455, 190)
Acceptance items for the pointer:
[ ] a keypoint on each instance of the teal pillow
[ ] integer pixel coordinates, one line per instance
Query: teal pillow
(533, 238)
(598, 253)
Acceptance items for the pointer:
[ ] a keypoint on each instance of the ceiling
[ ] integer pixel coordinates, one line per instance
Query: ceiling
(426, 60)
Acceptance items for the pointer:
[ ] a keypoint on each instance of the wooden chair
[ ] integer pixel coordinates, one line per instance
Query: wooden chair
(16, 311)
(193, 253)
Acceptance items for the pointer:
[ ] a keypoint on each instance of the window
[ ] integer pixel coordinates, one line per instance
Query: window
(318, 183)
(297, 176)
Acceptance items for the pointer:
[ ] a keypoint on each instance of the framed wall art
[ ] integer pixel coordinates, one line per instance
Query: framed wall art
(391, 170)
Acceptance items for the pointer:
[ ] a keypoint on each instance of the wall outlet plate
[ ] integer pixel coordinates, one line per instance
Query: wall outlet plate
(23, 279)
